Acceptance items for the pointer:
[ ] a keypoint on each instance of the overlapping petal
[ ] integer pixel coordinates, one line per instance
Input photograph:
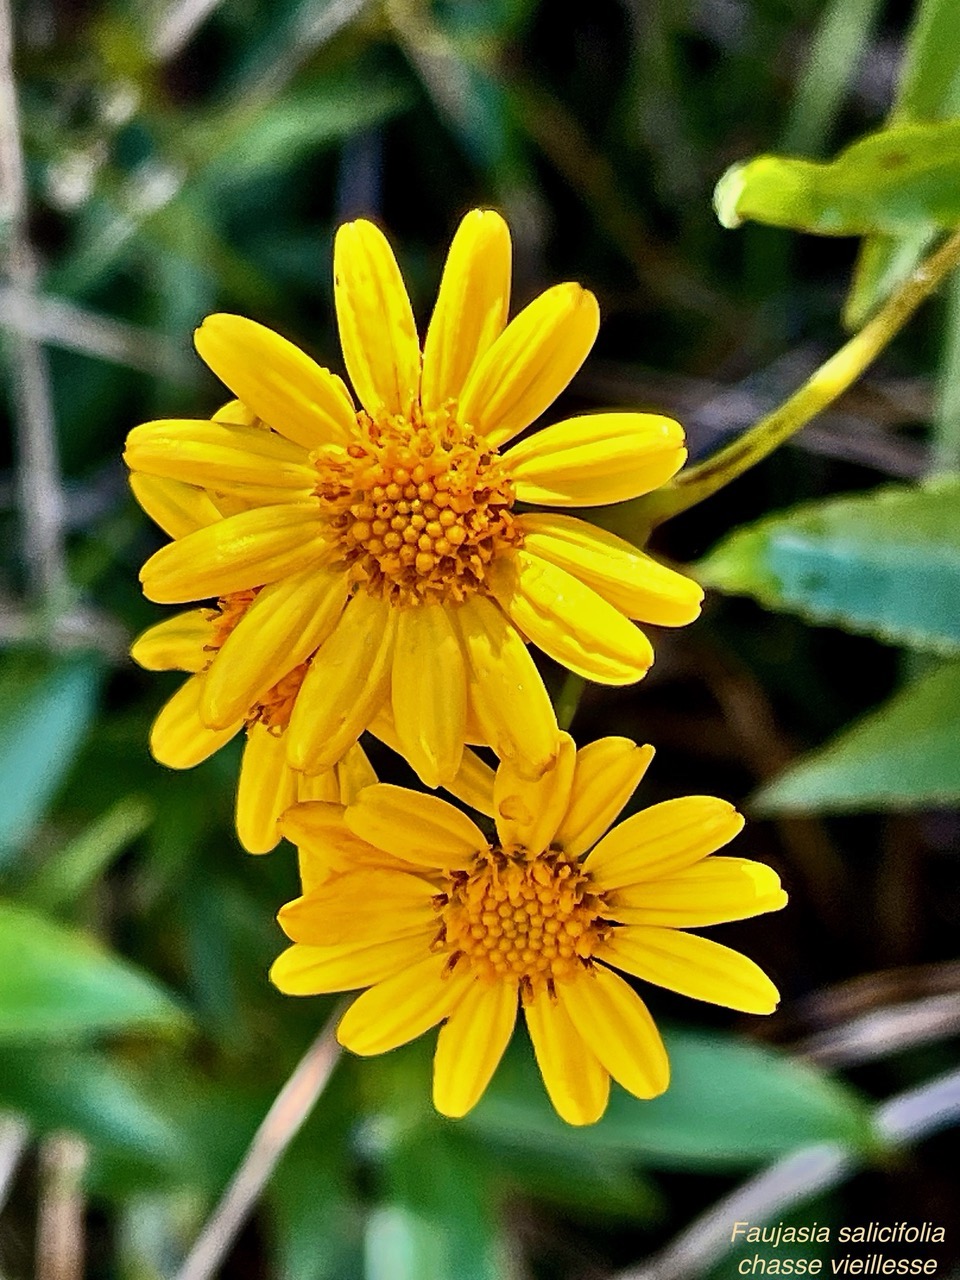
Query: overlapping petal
(662, 840)
(403, 1007)
(178, 737)
(606, 775)
(470, 1045)
(429, 693)
(575, 1079)
(180, 643)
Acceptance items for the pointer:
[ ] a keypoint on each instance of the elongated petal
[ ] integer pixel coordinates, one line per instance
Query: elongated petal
(578, 1085)
(712, 891)
(286, 623)
(596, 459)
(275, 379)
(507, 693)
(471, 308)
(314, 971)
(403, 1007)
(528, 812)
(607, 773)
(662, 840)
(530, 363)
(365, 907)
(176, 507)
(319, 786)
(378, 333)
(176, 644)
(470, 1045)
(250, 461)
(429, 693)
(569, 621)
(693, 966)
(267, 787)
(421, 829)
(325, 844)
(625, 577)
(236, 412)
(347, 682)
(617, 1025)
(178, 737)
(354, 772)
(473, 783)
(247, 550)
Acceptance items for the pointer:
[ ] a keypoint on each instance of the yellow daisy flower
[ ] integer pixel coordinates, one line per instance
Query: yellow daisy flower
(397, 523)
(405, 894)
(191, 641)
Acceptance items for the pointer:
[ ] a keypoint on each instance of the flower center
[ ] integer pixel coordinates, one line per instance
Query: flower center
(276, 706)
(537, 920)
(420, 507)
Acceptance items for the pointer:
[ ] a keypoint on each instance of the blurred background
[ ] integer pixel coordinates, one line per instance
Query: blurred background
(161, 161)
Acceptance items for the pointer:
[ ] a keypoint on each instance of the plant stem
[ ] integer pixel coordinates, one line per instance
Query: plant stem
(816, 394)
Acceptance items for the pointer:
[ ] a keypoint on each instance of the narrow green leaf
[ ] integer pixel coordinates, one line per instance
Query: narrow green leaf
(58, 984)
(886, 563)
(897, 180)
(902, 756)
(45, 712)
(730, 1105)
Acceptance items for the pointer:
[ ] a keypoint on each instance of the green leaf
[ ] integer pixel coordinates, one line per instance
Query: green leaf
(898, 180)
(45, 712)
(886, 563)
(58, 984)
(902, 756)
(730, 1105)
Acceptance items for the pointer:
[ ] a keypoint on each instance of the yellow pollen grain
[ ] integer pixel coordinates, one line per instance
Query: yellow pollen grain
(419, 507)
(534, 921)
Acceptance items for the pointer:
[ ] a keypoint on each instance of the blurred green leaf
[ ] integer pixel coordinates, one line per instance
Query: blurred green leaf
(897, 180)
(68, 873)
(44, 716)
(886, 563)
(58, 984)
(903, 755)
(731, 1105)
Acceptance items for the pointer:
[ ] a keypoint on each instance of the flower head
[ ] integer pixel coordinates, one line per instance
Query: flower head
(404, 894)
(392, 532)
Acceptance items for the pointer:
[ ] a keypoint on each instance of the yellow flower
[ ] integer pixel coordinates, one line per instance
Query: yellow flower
(405, 894)
(392, 531)
(191, 641)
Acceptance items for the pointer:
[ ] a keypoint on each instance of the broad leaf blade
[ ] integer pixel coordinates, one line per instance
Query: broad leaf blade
(902, 756)
(886, 563)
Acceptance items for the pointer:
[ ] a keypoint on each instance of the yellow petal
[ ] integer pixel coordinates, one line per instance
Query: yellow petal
(529, 812)
(235, 411)
(286, 623)
(176, 507)
(473, 783)
(315, 971)
(693, 966)
(530, 363)
(625, 577)
(712, 891)
(507, 693)
(377, 330)
(365, 907)
(319, 786)
(607, 773)
(577, 1083)
(596, 459)
(569, 621)
(277, 381)
(247, 550)
(403, 1007)
(354, 772)
(617, 1025)
(471, 308)
(266, 788)
(421, 829)
(429, 693)
(470, 1045)
(176, 644)
(178, 737)
(347, 682)
(247, 460)
(662, 840)
(325, 845)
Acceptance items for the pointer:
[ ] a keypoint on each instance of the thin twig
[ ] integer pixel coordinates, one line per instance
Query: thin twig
(14, 1137)
(176, 26)
(883, 1031)
(60, 1231)
(290, 1109)
(902, 1120)
(41, 495)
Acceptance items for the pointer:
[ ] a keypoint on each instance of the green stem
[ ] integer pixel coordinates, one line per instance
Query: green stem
(568, 699)
(829, 382)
